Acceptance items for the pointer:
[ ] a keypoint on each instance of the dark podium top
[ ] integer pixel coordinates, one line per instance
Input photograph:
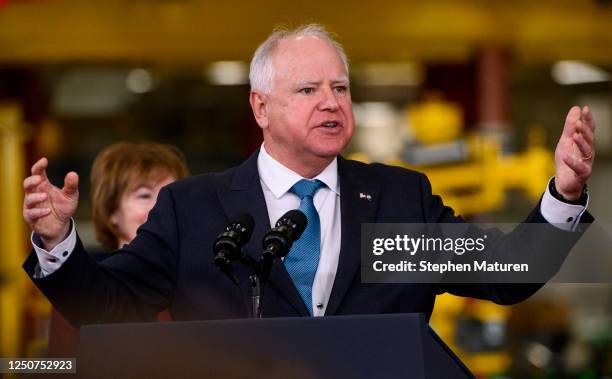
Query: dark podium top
(374, 346)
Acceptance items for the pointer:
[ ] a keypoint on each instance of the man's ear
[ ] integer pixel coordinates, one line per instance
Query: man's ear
(258, 102)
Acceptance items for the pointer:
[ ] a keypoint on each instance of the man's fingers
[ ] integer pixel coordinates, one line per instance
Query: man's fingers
(570, 121)
(587, 117)
(71, 184)
(31, 182)
(40, 168)
(34, 198)
(580, 168)
(587, 132)
(586, 126)
(580, 128)
(33, 214)
(586, 149)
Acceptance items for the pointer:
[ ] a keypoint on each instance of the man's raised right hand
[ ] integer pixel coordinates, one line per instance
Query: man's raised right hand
(46, 208)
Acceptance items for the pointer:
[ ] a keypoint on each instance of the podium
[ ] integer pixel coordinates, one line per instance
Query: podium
(372, 346)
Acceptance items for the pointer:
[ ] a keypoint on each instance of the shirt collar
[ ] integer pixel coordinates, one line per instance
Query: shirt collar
(279, 179)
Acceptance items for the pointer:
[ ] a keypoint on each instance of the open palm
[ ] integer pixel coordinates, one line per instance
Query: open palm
(46, 208)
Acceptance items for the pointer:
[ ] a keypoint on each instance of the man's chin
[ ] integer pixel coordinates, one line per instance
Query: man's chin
(330, 149)
(329, 152)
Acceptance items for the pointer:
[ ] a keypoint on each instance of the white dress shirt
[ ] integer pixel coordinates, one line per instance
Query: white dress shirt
(276, 180)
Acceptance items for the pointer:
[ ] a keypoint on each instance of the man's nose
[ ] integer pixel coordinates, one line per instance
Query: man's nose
(329, 102)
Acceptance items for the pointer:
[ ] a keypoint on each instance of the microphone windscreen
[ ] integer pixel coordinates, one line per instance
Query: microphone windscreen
(298, 219)
(246, 221)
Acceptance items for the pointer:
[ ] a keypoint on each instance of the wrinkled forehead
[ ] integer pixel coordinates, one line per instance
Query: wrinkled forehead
(307, 58)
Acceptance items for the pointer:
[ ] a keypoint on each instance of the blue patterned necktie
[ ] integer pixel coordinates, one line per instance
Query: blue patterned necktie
(303, 258)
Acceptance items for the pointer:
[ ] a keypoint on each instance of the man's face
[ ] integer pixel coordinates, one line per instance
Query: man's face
(309, 115)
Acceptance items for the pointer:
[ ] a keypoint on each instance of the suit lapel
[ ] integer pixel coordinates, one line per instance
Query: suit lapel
(358, 204)
(244, 194)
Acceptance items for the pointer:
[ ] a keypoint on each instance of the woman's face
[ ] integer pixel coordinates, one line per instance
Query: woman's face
(134, 208)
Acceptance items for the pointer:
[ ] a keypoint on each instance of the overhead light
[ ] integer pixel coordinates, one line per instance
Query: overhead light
(577, 72)
(228, 73)
(538, 355)
(139, 81)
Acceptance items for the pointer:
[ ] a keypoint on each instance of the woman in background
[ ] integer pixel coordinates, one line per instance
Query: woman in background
(125, 181)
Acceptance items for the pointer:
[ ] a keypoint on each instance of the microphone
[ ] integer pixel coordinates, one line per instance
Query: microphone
(277, 242)
(228, 245)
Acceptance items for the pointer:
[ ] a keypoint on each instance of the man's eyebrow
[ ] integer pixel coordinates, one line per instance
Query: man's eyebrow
(341, 79)
(307, 82)
(338, 80)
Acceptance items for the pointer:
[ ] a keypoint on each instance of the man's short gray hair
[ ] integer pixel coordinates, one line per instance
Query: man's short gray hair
(261, 73)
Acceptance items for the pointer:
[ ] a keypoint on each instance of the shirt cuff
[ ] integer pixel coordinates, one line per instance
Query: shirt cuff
(51, 261)
(562, 215)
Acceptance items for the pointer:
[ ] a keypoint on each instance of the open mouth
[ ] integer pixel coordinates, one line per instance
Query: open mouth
(330, 124)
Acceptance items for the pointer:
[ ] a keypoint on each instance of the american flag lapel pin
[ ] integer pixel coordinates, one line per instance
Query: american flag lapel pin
(367, 196)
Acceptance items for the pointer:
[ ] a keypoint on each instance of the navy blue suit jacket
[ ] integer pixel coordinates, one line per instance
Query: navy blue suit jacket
(169, 264)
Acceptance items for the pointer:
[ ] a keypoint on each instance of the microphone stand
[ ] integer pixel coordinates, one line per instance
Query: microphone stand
(256, 281)
(256, 295)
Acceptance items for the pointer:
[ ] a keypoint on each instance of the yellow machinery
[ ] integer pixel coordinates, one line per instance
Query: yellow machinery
(13, 283)
(20, 302)
(479, 183)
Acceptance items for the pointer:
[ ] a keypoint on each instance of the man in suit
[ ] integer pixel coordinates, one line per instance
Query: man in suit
(300, 96)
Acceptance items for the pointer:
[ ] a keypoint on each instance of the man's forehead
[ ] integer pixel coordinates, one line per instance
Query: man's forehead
(304, 47)
(304, 53)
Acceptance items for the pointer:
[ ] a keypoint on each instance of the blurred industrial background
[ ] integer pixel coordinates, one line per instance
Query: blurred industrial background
(474, 93)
